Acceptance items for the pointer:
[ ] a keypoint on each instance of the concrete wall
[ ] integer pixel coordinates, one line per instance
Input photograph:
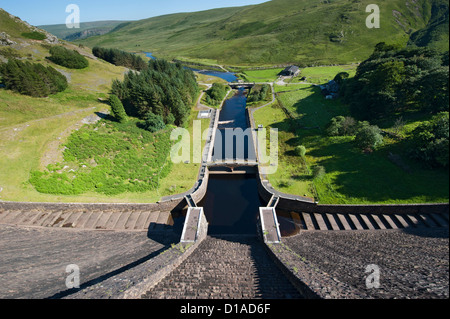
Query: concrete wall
(297, 205)
(170, 205)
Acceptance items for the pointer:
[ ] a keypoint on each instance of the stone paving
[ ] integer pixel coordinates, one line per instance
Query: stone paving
(413, 262)
(34, 260)
(226, 267)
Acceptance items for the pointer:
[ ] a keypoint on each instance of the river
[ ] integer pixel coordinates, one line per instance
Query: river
(227, 76)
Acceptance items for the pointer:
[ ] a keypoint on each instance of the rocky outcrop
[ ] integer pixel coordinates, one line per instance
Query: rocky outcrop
(50, 38)
(5, 39)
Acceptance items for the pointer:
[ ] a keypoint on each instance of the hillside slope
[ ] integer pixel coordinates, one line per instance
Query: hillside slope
(435, 33)
(278, 31)
(33, 130)
(87, 29)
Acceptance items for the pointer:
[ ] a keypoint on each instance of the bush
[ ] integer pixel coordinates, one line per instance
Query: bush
(342, 126)
(341, 77)
(34, 35)
(154, 123)
(108, 158)
(68, 58)
(369, 137)
(300, 151)
(118, 109)
(431, 141)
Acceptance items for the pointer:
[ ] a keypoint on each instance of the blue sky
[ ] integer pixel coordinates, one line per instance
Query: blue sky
(41, 12)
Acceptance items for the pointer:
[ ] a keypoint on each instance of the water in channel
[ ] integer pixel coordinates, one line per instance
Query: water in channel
(232, 202)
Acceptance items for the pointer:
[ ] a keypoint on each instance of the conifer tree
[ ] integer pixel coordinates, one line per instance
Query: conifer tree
(118, 109)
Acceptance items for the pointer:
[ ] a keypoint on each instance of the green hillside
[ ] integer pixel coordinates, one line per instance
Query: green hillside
(278, 31)
(36, 132)
(86, 29)
(435, 33)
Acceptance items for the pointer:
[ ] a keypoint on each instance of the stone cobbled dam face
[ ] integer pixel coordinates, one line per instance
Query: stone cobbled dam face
(226, 267)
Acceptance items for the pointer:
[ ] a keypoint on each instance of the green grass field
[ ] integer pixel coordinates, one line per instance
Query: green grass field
(323, 74)
(269, 75)
(352, 177)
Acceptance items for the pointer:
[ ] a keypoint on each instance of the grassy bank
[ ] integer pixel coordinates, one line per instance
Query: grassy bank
(352, 176)
(34, 132)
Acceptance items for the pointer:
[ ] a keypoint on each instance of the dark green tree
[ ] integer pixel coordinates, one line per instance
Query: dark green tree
(68, 58)
(154, 123)
(434, 89)
(431, 141)
(117, 109)
(32, 79)
(395, 80)
(369, 138)
(163, 89)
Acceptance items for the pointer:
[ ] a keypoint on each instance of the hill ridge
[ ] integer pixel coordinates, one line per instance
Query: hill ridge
(274, 32)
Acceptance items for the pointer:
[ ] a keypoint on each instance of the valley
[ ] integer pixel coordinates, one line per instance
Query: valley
(37, 130)
(280, 150)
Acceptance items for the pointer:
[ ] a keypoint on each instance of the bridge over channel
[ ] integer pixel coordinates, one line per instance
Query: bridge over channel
(246, 85)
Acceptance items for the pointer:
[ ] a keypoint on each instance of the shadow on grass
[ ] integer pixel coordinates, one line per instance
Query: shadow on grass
(373, 177)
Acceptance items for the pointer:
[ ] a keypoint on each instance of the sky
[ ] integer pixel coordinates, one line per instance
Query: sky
(43, 12)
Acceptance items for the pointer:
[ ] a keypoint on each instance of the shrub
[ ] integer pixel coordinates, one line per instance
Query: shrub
(154, 123)
(369, 137)
(431, 141)
(108, 158)
(341, 77)
(68, 58)
(342, 126)
(300, 151)
(34, 35)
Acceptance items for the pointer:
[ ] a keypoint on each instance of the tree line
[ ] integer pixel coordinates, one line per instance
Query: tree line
(163, 89)
(68, 58)
(32, 79)
(120, 58)
(395, 80)
(393, 83)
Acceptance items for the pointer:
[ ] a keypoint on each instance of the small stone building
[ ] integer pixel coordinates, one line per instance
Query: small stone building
(291, 71)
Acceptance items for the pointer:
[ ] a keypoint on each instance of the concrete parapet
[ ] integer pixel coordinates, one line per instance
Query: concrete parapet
(195, 227)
